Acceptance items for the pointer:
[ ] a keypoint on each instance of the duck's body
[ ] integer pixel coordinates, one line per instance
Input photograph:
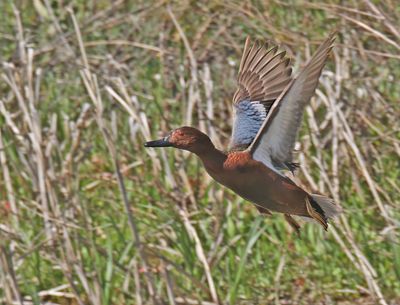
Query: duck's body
(268, 107)
(255, 182)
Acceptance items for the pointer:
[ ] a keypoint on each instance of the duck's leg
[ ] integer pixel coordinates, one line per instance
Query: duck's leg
(293, 223)
(263, 211)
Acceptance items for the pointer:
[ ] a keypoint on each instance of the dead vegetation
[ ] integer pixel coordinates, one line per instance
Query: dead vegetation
(87, 216)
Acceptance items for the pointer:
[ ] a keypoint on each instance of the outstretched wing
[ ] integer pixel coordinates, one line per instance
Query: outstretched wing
(275, 140)
(263, 74)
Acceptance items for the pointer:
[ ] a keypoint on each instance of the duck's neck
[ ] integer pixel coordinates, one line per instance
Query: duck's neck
(212, 158)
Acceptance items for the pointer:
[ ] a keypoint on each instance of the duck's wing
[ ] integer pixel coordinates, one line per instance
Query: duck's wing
(264, 73)
(274, 143)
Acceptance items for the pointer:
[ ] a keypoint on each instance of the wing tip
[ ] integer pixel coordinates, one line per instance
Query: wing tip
(329, 42)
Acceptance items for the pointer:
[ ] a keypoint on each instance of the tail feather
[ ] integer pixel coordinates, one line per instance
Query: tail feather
(331, 210)
(321, 209)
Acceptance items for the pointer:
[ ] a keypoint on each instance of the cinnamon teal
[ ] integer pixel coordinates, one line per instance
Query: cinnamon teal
(268, 107)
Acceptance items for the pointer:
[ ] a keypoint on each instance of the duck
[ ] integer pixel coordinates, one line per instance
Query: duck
(268, 107)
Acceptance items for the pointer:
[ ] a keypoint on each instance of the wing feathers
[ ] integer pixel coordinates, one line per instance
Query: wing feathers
(260, 65)
(268, 56)
(264, 73)
(275, 139)
(245, 54)
(271, 65)
(257, 59)
(253, 51)
(278, 81)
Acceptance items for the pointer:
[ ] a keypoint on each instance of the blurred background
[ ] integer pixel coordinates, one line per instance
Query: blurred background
(88, 216)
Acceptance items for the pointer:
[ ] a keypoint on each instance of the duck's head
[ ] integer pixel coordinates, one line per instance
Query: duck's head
(187, 138)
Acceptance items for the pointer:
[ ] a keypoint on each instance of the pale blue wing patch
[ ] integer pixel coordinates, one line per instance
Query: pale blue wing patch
(248, 117)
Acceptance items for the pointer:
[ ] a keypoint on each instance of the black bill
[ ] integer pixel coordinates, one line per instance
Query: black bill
(158, 143)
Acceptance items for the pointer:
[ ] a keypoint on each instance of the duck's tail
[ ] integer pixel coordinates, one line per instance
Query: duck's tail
(322, 209)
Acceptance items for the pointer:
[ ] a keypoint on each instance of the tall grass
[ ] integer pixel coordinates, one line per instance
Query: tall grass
(88, 216)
